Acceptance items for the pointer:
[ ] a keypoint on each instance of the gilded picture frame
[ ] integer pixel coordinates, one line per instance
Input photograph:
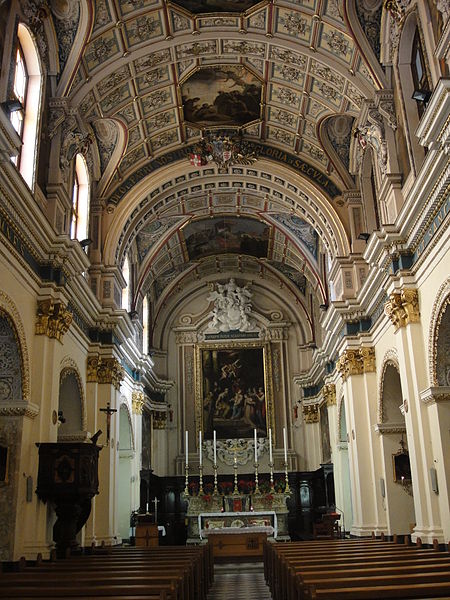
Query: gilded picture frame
(233, 388)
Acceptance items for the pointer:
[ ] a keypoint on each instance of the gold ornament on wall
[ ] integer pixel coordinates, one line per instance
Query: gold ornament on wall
(329, 394)
(311, 413)
(137, 400)
(403, 307)
(159, 420)
(356, 362)
(104, 370)
(52, 319)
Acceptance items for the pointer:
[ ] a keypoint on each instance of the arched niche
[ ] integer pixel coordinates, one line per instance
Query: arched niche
(391, 394)
(440, 360)
(70, 405)
(10, 362)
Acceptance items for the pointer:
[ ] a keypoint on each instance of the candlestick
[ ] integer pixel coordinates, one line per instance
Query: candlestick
(256, 447)
(270, 446)
(186, 448)
(186, 480)
(235, 489)
(214, 447)
(271, 475)
(285, 444)
(256, 478)
(287, 489)
(215, 479)
(200, 446)
(200, 486)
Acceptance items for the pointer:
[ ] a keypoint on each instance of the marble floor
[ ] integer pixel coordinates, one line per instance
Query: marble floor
(239, 581)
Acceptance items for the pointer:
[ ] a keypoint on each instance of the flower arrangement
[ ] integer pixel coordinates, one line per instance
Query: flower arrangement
(208, 488)
(246, 486)
(206, 498)
(193, 488)
(264, 487)
(279, 485)
(226, 487)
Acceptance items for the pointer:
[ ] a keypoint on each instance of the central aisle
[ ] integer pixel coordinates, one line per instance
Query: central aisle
(239, 581)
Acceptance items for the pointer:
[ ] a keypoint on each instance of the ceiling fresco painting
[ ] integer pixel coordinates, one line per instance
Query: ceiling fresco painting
(302, 232)
(216, 6)
(226, 235)
(221, 95)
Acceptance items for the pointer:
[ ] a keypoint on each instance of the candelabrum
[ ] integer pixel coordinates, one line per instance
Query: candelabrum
(287, 489)
(256, 478)
(271, 475)
(186, 480)
(215, 479)
(200, 487)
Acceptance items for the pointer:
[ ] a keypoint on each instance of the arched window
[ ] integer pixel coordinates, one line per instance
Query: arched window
(419, 74)
(79, 225)
(126, 289)
(27, 94)
(145, 325)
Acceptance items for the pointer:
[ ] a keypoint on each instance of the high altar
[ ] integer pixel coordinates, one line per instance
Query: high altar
(234, 403)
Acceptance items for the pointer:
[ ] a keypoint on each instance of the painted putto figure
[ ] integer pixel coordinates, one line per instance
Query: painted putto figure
(232, 307)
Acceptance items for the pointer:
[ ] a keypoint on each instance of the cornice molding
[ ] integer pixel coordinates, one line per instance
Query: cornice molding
(384, 428)
(435, 394)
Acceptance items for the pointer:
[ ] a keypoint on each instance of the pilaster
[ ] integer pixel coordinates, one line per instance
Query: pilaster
(104, 375)
(357, 368)
(403, 310)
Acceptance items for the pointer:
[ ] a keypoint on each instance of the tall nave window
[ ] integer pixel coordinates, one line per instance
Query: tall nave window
(17, 114)
(79, 225)
(26, 102)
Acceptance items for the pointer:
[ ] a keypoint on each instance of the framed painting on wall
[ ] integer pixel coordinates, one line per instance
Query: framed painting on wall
(233, 389)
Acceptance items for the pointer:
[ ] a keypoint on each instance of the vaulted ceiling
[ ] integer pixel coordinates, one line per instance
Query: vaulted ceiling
(155, 75)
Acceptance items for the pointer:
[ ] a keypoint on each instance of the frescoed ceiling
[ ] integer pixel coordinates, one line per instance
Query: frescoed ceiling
(155, 76)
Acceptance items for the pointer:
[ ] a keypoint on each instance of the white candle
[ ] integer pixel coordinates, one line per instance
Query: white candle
(285, 444)
(214, 447)
(186, 444)
(270, 445)
(200, 446)
(256, 447)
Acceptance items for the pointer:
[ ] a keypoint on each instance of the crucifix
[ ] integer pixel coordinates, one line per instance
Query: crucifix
(109, 411)
(155, 502)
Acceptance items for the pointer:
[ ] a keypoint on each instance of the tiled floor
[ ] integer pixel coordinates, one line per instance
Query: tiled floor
(242, 581)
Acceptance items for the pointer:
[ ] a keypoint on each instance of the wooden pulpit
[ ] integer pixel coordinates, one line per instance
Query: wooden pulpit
(146, 531)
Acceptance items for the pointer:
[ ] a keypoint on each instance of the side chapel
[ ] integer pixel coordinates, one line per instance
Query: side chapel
(224, 258)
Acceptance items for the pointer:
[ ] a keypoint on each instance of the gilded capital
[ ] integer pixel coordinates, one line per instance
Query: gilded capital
(311, 413)
(329, 394)
(403, 307)
(104, 370)
(159, 420)
(350, 363)
(356, 362)
(52, 319)
(137, 400)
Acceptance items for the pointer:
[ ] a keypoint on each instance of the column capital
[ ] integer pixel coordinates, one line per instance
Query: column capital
(356, 361)
(329, 394)
(102, 369)
(137, 401)
(311, 413)
(403, 307)
(52, 318)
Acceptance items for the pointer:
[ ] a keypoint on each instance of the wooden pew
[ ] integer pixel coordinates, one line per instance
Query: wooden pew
(175, 573)
(308, 569)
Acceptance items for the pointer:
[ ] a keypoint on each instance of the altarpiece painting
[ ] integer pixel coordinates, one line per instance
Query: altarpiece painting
(233, 390)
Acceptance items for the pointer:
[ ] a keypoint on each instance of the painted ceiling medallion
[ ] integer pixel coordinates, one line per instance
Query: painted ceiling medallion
(216, 6)
(221, 95)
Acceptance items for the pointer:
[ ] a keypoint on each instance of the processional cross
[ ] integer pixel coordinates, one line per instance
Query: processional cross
(109, 411)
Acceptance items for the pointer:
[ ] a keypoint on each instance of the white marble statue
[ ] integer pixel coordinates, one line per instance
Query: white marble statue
(232, 307)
